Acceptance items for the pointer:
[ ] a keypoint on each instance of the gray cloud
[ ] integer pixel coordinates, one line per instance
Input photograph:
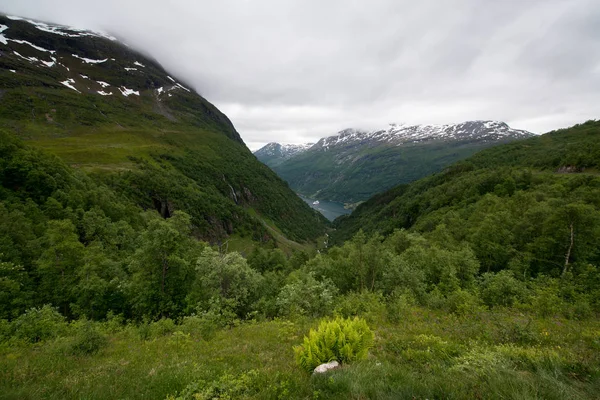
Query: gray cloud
(294, 71)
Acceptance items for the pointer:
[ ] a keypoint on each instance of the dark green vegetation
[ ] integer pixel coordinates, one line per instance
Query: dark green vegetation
(531, 205)
(319, 175)
(166, 149)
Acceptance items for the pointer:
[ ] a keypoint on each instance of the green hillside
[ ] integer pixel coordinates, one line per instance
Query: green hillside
(166, 147)
(518, 205)
(320, 175)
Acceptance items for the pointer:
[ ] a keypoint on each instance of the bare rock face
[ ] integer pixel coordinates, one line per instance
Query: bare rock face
(326, 367)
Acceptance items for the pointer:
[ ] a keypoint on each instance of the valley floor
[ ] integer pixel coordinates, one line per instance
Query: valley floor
(419, 353)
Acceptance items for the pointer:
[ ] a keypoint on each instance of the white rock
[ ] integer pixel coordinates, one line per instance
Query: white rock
(326, 367)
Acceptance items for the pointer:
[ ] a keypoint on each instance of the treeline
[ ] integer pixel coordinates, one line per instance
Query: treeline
(79, 245)
(476, 238)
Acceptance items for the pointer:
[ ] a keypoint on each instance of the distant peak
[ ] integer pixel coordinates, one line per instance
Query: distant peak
(397, 133)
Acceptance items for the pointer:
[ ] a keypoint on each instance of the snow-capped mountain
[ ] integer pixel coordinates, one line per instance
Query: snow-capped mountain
(274, 153)
(396, 134)
(355, 164)
(101, 105)
(97, 64)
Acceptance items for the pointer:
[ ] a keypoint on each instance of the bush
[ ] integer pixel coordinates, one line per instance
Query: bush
(343, 340)
(114, 322)
(225, 387)
(399, 305)
(39, 324)
(88, 340)
(462, 302)
(306, 296)
(502, 289)
(162, 327)
(367, 305)
(546, 301)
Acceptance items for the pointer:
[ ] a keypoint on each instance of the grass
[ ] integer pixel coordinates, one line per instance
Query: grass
(427, 354)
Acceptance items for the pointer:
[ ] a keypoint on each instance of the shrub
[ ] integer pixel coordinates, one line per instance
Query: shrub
(546, 302)
(225, 387)
(343, 340)
(114, 322)
(368, 305)
(88, 340)
(39, 324)
(462, 302)
(162, 327)
(305, 295)
(501, 289)
(398, 305)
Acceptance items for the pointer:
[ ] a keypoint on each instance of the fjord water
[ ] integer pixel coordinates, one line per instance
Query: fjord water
(330, 209)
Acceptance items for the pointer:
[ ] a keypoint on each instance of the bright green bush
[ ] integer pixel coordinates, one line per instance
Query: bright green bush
(343, 340)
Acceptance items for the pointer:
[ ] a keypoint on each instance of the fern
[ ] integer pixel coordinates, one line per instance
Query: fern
(343, 340)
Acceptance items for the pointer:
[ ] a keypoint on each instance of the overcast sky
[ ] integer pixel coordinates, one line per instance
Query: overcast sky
(293, 71)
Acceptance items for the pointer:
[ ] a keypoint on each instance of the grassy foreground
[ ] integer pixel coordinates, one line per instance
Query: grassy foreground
(424, 353)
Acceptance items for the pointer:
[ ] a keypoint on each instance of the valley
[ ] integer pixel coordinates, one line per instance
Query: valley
(330, 210)
(146, 252)
(354, 165)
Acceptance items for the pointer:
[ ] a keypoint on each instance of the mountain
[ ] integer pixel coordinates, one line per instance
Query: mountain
(273, 154)
(509, 194)
(118, 116)
(355, 164)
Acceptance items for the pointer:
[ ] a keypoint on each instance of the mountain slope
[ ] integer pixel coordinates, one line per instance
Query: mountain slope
(530, 204)
(354, 165)
(118, 115)
(274, 154)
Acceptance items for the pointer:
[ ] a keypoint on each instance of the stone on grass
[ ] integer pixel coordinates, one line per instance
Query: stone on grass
(326, 367)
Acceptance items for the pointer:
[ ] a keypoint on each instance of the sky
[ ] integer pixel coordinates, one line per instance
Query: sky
(293, 71)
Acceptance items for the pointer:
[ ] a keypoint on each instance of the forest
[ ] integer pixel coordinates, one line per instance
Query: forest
(481, 281)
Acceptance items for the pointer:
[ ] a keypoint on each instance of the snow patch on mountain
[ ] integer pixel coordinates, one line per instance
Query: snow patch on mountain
(3, 39)
(183, 87)
(30, 59)
(127, 92)
(49, 64)
(32, 45)
(69, 83)
(89, 60)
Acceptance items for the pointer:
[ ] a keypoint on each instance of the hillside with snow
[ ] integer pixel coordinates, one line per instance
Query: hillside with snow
(274, 154)
(107, 109)
(355, 164)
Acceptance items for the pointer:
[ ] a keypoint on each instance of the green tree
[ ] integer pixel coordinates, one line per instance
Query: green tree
(58, 264)
(162, 269)
(225, 279)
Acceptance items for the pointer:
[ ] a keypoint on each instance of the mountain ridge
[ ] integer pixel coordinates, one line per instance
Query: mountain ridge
(355, 164)
(117, 114)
